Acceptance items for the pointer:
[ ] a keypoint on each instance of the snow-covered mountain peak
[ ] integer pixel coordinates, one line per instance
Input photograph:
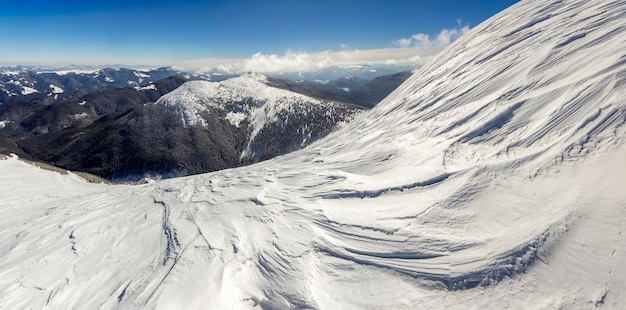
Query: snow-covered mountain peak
(196, 97)
(254, 75)
(246, 99)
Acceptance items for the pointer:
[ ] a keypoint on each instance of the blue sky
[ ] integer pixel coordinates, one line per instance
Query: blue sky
(168, 32)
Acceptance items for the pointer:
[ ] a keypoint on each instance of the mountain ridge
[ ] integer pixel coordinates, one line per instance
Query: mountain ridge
(171, 127)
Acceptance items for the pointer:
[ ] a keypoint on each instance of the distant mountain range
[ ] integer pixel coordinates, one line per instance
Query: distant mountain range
(125, 124)
(19, 85)
(352, 89)
(362, 85)
(365, 72)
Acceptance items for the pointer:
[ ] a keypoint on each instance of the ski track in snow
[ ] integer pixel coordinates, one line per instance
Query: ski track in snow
(492, 178)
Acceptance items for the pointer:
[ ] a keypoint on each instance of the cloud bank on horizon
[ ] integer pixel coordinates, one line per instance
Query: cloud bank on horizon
(303, 62)
(408, 52)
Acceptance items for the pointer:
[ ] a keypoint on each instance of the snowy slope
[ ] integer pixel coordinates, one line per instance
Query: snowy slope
(492, 178)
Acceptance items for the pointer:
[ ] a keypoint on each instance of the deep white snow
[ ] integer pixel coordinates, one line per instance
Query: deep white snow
(148, 87)
(500, 165)
(56, 89)
(28, 90)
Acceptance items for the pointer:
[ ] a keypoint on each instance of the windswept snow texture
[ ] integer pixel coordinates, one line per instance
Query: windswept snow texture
(492, 178)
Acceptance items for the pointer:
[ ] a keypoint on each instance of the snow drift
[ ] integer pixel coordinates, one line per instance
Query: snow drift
(491, 178)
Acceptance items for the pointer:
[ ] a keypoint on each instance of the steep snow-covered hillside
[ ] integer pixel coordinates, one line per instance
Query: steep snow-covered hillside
(492, 178)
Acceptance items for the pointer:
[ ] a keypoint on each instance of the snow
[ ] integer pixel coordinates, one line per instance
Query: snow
(4, 123)
(235, 118)
(75, 71)
(148, 87)
(81, 103)
(56, 89)
(141, 74)
(80, 115)
(28, 90)
(108, 79)
(500, 164)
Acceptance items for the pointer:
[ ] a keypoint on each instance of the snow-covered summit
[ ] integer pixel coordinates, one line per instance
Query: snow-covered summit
(248, 99)
(254, 75)
(492, 178)
(195, 97)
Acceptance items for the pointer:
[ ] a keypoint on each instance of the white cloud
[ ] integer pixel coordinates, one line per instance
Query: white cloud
(294, 62)
(421, 40)
(403, 42)
(290, 61)
(414, 51)
(441, 40)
